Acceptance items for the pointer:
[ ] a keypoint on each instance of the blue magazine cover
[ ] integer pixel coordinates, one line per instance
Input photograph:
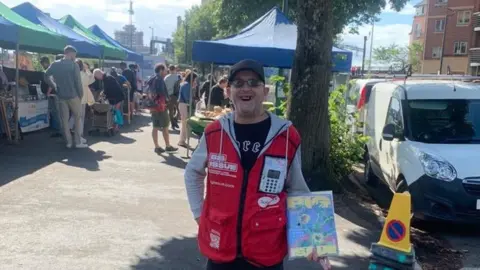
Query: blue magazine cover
(311, 223)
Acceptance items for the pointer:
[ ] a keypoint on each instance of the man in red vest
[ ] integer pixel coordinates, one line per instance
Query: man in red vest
(253, 161)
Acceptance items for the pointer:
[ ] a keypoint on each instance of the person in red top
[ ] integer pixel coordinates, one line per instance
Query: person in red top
(253, 161)
(160, 118)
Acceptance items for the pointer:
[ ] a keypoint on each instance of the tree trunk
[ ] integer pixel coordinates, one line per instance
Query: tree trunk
(311, 73)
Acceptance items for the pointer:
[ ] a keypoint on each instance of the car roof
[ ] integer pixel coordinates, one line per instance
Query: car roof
(436, 89)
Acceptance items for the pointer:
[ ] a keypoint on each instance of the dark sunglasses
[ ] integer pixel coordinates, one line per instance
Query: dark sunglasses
(241, 83)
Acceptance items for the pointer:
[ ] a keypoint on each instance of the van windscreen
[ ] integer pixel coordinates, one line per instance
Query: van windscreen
(445, 121)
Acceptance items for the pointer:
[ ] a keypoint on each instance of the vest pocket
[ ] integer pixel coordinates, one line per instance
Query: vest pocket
(267, 234)
(216, 232)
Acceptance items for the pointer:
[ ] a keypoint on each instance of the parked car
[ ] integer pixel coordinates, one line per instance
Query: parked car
(357, 98)
(424, 138)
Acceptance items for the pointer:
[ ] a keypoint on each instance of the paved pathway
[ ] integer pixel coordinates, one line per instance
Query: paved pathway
(116, 205)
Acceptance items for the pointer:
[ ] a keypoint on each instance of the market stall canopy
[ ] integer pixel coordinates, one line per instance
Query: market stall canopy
(30, 37)
(271, 40)
(131, 55)
(84, 46)
(109, 52)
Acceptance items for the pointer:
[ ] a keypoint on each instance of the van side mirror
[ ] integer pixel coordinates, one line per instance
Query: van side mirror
(388, 133)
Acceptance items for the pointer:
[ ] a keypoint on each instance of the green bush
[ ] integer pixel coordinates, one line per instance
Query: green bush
(346, 147)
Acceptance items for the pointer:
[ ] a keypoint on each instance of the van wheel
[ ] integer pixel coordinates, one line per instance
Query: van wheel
(369, 177)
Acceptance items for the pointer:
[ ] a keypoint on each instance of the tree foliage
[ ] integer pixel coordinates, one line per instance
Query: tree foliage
(201, 23)
(394, 55)
(398, 57)
(415, 52)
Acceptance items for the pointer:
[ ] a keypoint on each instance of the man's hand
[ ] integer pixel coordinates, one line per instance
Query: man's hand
(323, 261)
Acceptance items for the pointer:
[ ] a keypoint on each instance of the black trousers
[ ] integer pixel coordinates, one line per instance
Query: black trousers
(239, 264)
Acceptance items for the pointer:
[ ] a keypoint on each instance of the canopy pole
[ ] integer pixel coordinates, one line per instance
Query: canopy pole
(210, 89)
(277, 84)
(190, 108)
(17, 78)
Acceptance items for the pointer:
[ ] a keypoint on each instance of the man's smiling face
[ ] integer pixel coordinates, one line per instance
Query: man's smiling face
(247, 92)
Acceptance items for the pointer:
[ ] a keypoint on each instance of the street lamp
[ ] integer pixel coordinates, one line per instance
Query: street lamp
(151, 28)
(443, 38)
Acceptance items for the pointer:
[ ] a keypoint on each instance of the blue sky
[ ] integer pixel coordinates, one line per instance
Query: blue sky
(111, 15)
(393, 27)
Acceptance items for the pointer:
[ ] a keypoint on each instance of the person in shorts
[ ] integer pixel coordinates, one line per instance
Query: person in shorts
(160, 117)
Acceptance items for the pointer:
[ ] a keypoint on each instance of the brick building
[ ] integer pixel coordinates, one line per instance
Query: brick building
(448, 22)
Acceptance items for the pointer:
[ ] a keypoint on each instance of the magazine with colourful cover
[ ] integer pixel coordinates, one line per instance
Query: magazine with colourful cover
(311, 223)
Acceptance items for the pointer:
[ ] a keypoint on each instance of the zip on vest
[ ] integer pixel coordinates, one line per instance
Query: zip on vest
(243, 195)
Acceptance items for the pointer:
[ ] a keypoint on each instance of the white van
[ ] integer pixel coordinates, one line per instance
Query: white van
(424, 138)
(357, 98)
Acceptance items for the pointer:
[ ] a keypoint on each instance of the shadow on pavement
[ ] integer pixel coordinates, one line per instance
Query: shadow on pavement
(173, 160)
(137, 123)
(183, 254)
(85, 158)
(38, 150)
(27, 158)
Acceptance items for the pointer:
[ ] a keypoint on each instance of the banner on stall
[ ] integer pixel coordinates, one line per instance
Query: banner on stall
(33, 115)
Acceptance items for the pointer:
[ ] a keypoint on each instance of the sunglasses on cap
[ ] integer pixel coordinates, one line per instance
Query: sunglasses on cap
(251, 83)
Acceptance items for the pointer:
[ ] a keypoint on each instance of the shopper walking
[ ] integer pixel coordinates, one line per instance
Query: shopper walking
(171, 80)
(184, 104)
(87, 78)
(161, 121)
(68, 86)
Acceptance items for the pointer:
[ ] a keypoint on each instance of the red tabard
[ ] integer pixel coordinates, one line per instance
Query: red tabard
(263, 219)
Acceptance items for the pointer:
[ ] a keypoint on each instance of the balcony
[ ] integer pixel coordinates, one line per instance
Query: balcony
(474, 57)
(476, 21)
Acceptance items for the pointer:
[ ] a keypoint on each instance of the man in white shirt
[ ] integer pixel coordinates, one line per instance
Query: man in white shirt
(170, 80)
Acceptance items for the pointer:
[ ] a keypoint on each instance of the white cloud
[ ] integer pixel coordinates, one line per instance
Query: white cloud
(166, 3)
(409, 9)
(117, 17)
(384, 35)
(91, 4)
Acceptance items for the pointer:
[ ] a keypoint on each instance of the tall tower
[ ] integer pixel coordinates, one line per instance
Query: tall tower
(130, 13)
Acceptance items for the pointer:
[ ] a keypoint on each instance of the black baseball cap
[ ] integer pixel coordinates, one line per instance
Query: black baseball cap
(247, 64)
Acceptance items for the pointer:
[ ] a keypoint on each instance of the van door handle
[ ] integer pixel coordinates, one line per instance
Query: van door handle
(380, 145)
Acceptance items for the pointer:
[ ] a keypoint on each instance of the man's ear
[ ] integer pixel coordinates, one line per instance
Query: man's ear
(266, 90)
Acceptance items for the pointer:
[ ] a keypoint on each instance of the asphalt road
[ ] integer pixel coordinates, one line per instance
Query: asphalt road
(116, 205)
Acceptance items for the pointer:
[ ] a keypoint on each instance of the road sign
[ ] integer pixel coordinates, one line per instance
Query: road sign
(396, 231)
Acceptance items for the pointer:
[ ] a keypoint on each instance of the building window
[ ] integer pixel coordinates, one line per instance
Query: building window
(420, 11)
(460, 48)
(436, 52)
(441, 2)
(463, 17)
(440, 25)
(418, 30)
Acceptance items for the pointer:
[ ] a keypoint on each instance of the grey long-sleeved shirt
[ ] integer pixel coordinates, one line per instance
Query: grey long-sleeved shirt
(66, 74)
